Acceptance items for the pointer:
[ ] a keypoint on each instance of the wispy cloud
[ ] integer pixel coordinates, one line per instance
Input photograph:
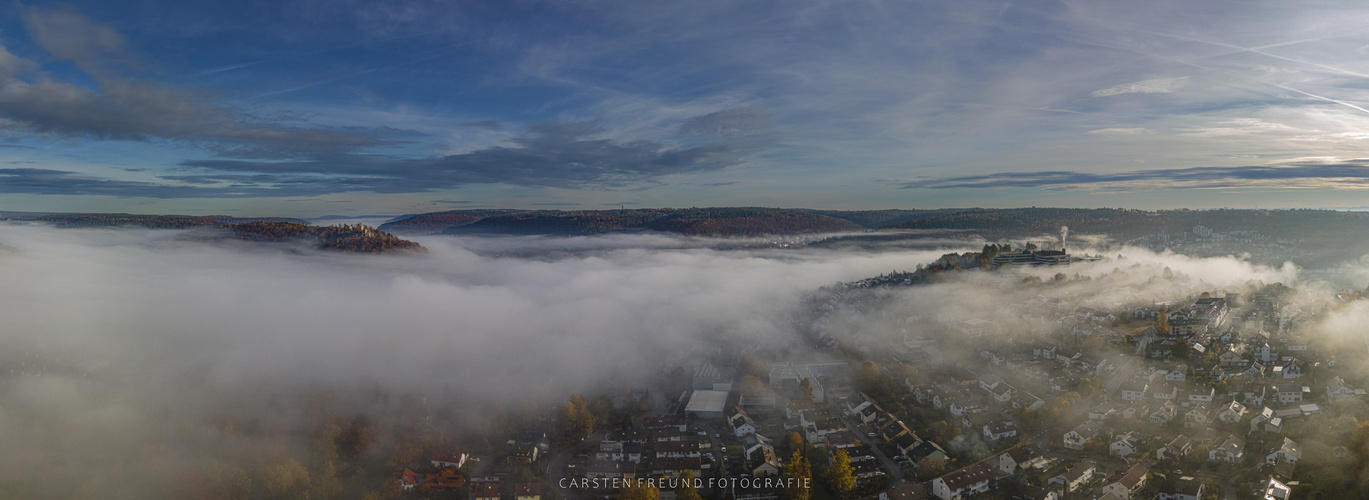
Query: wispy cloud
(1153, 86)
(1348, 174)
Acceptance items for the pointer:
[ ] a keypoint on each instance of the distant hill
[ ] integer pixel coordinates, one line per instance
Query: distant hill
(744, 221)
(347, 238)
(723, 221)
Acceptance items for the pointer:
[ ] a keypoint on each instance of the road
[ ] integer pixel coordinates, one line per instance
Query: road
(556, 468)
(894, 471)
(1123, 373)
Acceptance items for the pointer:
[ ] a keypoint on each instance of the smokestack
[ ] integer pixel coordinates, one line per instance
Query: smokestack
(1064, 233)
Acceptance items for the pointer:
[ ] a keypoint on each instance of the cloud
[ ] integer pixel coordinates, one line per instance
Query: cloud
(728, 122)
(1154, 86)
(120, 107)
(1340, 174)
(1122, 131)
(548, 155)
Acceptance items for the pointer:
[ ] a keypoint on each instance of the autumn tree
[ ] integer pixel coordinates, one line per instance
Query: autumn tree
(795, 442)
(932, 466)
(806, 388)
(1162, 321)
(752, 386)
(801, 473)
(840, 475)
(631, 490)
(687, 491)
(356, 438)
(286, 479)
(577, 416)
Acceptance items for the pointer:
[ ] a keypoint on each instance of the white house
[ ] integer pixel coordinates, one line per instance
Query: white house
(1288, 451)
(1129, 483)
(1076, 437)
(964, 482)
(1124, 446)
(1231, 449)
(1233, 412)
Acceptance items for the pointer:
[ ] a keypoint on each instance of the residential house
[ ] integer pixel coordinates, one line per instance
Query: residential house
(1184, 488)
(1231, 449)
(1233, 355)
(962, 483)
(674, 467)
(1164, 391)
(1129, 483)
(1201, 396)
(1231, 413)
(741, 423)
(444, 480)
(485, 491)
(664, 422)
(448, 459)
(1288, 451)
(1198, 416)
(1124, 445)
(1275, 490)
(1178, 447)
(1164, 413)
(527, 491)
(1290, 370)
(682, 449)
(1133, 389)
(1336, 388)
(1265, 416)
(1076, 437)
(408, 479)
(1076, 477)
(1000, 430)
(794, 406)
(1292, 393)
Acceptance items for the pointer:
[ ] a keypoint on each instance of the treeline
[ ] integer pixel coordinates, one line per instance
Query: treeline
(347, 238)
(730, 221)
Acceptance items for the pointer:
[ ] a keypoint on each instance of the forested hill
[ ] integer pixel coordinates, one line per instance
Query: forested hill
(346, 238)
(724, 221)
(1122, 223)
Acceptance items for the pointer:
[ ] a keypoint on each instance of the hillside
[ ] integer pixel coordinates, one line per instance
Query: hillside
(346, 238)
(745, 221)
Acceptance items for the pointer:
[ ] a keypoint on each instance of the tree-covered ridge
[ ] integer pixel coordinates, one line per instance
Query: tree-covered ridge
(750, 222)
(558, 222)
(435, 222)
(726, 221)
(346, 237)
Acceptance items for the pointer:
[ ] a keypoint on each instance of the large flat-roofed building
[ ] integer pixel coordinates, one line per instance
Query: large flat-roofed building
(706, 404)
(1033, 258)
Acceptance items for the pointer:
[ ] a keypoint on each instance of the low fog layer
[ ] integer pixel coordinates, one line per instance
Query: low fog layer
(152, 351)
(148, 338)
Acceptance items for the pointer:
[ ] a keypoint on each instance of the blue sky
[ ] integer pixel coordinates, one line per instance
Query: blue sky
(335, 107)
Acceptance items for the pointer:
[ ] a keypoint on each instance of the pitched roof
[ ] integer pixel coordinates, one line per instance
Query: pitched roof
(968, 476)
(1134, 476)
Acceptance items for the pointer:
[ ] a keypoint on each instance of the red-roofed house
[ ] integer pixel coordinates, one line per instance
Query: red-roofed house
(450, 459)
(408, 479)
(485, 491)
(527, 491)
(1129, 483)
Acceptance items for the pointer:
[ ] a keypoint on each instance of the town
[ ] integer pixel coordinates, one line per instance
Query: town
(1221, 394)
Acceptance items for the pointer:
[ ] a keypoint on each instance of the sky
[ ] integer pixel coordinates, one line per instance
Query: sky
(309, 108)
